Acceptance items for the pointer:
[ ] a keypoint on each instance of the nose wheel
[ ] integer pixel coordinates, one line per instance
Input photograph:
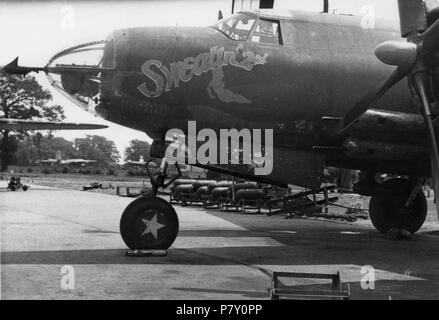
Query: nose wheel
(151, 223)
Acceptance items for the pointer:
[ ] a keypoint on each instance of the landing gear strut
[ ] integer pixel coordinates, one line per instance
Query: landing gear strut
(149, 222)
(402, 206)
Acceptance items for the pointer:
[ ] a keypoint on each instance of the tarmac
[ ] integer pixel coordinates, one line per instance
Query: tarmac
(64, 244)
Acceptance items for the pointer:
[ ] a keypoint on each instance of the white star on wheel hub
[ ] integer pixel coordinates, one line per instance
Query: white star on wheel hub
(152, 226)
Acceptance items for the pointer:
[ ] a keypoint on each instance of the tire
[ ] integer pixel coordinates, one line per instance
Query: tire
(138, 234)
(388, 211)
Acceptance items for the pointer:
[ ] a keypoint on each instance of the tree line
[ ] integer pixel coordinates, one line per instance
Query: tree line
(33, 148)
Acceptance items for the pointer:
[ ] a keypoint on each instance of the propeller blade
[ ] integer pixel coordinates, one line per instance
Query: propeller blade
(413, 17)
(422, 93)
(432, 11)
(431, 38)
(369, 100)
(435, 177)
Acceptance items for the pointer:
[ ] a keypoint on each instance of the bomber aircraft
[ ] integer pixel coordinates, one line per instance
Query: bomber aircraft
(333, 92)
(141, 162)
(59, 160)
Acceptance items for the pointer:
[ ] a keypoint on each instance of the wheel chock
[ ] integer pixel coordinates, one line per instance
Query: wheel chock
(146, 253)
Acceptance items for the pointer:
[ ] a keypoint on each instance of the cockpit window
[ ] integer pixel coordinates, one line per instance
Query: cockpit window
(237, 27)
(267, 31)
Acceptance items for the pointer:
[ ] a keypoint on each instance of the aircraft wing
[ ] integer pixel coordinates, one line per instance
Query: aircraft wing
(18, 124)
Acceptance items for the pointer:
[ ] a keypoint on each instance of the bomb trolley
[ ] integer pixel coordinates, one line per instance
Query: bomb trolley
(301, 202)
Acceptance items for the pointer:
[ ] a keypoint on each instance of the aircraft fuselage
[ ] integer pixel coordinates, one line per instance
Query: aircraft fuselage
(323, 66)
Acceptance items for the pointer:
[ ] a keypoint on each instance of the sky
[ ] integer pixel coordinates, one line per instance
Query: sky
(36, 30)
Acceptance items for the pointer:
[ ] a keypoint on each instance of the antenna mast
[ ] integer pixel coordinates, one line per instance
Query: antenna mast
(325, 6)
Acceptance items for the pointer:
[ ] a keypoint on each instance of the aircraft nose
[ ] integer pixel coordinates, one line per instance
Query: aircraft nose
(79, 72)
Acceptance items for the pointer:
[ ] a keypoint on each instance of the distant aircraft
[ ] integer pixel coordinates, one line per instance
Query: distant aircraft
(67, 161)
(314, 78)
(141, 162)
(58, 160)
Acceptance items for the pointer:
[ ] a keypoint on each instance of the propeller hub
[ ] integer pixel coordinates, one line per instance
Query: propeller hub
(397, 53)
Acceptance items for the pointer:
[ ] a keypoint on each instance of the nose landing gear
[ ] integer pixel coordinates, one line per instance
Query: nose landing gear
(149, 222)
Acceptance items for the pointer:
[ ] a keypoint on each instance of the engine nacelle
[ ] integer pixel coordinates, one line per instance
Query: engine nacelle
(364, 149)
